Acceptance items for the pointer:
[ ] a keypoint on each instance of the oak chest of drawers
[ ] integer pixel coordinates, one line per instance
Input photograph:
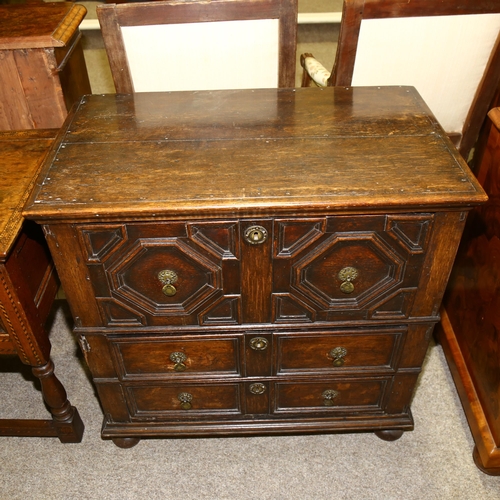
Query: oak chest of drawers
(243, 262)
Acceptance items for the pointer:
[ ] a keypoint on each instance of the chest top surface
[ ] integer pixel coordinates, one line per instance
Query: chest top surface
(21, 157)
(250, 152)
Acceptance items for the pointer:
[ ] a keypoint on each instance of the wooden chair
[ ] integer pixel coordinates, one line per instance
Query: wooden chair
(448, 50)
(198, 45)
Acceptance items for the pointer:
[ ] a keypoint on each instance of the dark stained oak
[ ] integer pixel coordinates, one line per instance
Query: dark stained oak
(126, 443)
(389, 435)
(149, 136)
(28, 285)
(254, 262)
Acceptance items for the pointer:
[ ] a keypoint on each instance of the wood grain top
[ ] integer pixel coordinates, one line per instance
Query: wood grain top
(246, 152)
(29, 26)
(20, 161)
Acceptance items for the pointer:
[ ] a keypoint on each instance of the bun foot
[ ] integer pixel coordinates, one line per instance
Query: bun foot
(491, 471)
(389, 435)
(125, 442)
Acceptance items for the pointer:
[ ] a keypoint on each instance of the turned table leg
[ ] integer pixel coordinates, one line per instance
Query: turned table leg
(66, 419)
(29, 340)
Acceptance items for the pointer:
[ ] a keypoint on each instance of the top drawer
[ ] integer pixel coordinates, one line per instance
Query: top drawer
(348, 267)
(164, 273)
(227, 273)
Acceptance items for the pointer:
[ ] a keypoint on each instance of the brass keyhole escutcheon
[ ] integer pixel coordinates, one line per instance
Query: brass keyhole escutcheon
(167, 278)
(337, 355)
(329, 396)
(185, 399)
(255, 235)
(347, 275)
(257, 388)
(259, 343)
(178, 359)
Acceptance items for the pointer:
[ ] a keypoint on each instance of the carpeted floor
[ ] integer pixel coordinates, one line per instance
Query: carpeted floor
(432, 462)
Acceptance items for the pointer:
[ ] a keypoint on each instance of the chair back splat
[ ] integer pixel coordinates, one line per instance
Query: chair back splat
(200, 45)
(449, 50)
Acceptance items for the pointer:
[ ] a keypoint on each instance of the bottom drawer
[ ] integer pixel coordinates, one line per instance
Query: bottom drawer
(346, 395)
(182, 401)
(178, 401)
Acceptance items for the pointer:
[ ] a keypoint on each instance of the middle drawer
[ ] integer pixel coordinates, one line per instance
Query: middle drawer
(360, 349)
(261, 353)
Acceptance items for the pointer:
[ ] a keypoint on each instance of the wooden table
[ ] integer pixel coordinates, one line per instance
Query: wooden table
(41, 62)
(254, 262)
(28, 285)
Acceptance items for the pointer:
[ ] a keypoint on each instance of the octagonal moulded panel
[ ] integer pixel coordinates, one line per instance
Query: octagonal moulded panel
(348, 271)
(135, 279)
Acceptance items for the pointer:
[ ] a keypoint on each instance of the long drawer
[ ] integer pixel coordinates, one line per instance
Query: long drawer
(232, 354)
(202, 273)
(259, 397)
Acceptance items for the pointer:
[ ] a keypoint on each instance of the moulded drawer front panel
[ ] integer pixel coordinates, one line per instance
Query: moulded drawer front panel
(299, 353)
(138, 357)
(183, 401)
(338, 268)
(164, 273)
(346, 395)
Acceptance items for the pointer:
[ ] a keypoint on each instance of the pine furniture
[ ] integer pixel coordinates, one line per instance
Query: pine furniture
(41, 62)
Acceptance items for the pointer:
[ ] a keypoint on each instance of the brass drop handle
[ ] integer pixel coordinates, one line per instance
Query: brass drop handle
(337, 355)
(255, 235)
(329, 396)
(259, 343)
(178, 358)
(347, 275)
(185, 399)
(257, 388)
(167, 279)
